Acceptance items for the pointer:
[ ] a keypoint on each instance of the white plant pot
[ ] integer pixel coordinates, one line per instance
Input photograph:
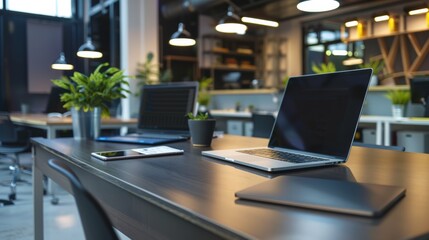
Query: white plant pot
(398, 111)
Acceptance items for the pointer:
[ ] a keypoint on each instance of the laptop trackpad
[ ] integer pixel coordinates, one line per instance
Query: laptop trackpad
(329, 195)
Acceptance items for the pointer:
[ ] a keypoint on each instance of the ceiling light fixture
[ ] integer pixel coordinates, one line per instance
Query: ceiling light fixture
(352, 23)
(61, 63)
(317, 5)
(381, 18)
(181, 38)
(418, 11)
(87, 50)
(339, 52)
(231, 23)
(260, 21)
(352, 61)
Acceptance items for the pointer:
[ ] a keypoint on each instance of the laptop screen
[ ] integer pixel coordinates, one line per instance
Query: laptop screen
(319, 113)
(164, 106)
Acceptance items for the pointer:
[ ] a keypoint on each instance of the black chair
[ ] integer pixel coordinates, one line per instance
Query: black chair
(13, 140)
(96, 223)
(369, 145)
(262, 124)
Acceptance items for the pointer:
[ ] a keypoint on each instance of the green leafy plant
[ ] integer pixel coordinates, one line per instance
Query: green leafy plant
(324, 67)
(147, 72)
(376, 65)
(95, 90)
(199, 116)
(203, 94)
(398, 97)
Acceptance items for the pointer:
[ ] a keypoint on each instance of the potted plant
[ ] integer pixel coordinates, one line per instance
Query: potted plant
(201, 128)
(88, 96)
(324, 67)
(399, 99)
(203, 94)
(376, 65)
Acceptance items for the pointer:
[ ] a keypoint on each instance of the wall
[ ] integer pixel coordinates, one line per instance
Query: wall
(139, 35)
(375, 104)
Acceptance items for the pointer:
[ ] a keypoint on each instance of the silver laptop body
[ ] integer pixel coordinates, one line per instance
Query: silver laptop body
(317, 118)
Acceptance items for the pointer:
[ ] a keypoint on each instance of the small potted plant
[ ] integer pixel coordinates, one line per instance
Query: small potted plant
(324, 67)
(201, 128)
(399, 99)
(88, 96)
(377, 66)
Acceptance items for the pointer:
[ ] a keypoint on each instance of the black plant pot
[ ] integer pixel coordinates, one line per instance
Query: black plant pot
(201, 131)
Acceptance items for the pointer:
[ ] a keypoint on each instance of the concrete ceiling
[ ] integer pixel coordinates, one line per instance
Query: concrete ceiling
(279, 10)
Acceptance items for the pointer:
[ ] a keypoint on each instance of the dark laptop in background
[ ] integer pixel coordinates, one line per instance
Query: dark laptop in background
(315, 125)
(54, 106)
(162, 116)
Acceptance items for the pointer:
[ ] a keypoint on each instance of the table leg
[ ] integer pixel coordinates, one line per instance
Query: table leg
(379, 133)
(38, 202)
(387, 140)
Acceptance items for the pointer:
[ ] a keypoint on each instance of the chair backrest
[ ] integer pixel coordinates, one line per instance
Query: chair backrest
(395, 148)
(95, 221)
(8, 132)
(262, 124)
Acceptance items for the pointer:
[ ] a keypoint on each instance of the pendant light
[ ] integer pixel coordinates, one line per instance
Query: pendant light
(61, 63)
(231, 23)
(87, 50)
(317, 5)
(181, 38)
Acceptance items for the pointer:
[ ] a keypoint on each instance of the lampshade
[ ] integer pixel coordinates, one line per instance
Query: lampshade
(61, 63)
(317, 5)
(181, 38)
(87, 50)
(231, 23)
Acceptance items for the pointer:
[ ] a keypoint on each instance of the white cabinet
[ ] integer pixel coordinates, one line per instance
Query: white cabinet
(234, 127)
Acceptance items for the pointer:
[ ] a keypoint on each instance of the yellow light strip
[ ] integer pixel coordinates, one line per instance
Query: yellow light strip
(260, 21)
(418, 11)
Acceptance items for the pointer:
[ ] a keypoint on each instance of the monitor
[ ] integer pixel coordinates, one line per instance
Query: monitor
(419, 87)
(164, 106)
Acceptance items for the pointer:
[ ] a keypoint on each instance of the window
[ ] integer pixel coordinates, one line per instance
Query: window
(55, 8)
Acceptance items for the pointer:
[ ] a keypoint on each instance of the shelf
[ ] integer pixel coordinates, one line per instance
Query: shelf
(230, 68)
(229, 53)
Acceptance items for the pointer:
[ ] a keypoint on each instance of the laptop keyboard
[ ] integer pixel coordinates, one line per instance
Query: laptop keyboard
(155, 135)
(282, 156)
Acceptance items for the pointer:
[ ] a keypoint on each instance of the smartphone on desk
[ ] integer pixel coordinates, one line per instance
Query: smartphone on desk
(136, 153)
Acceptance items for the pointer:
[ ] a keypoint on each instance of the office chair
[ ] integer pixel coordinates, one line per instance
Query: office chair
(96, 223)
(369, 145)
(262, 124)
(13, 140)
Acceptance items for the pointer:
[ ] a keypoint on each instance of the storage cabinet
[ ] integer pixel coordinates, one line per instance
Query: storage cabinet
(232, 61)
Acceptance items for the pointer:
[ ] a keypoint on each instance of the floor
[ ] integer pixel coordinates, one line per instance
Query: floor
(61, 221)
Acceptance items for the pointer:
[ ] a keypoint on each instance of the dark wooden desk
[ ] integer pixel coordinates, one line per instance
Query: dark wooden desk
(192, 197)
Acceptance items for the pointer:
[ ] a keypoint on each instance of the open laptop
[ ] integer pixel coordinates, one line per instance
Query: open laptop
(162, 116)
(315, 125)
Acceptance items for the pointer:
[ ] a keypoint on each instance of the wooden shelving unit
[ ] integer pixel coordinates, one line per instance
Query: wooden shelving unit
(401, 49)
(233, 57)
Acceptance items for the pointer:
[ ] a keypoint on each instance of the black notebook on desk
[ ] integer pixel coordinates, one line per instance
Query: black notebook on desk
(162, 116)
(362, 199)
